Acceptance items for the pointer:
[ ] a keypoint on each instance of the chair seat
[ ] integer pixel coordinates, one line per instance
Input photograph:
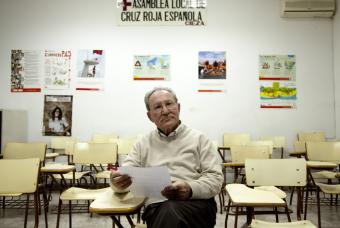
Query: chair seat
(298, 224)
(75, 193)
(69, 176)
(241, 195)
(141, 225)
(324, 175)
(103, 175)
(329, 188)
(273, 189)
(51, 155)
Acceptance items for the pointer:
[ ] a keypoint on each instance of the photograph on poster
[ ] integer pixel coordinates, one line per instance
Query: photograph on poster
(57, 120)
(278, 94)
(212, 65)
(90, 70)
(26, 70)
(151, 67)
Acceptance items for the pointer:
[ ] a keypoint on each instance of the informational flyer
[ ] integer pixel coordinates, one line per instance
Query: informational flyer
(277, 67)
(151, 67)
(278, 94)
(212, 86)
(161, 12)
(26, 70)
(57, 120)
(90, 70)
(57, 69)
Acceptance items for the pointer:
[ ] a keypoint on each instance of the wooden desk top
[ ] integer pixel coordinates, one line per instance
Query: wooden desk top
(57, 168)
(111, 203)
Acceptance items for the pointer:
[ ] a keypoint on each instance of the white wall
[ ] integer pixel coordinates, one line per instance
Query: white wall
(336, 40)
(243, 28)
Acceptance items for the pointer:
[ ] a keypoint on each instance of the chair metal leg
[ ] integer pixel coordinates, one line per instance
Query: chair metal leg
(45, 207)
(36, 209)
(26, 210)
(226, 215)
(276, 215)
(70, 213)
(236, 217)
(287, 212)
(59, 210)
(318, 204)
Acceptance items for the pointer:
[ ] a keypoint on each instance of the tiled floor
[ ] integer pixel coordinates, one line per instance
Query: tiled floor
(14, 218)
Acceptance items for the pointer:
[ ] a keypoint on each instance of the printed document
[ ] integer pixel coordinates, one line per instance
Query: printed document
(148, 181)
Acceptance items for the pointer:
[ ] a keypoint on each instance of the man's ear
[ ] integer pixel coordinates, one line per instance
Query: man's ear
(179, 107)
(148, 113)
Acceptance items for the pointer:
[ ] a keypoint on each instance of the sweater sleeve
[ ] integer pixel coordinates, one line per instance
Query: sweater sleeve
(210, 181)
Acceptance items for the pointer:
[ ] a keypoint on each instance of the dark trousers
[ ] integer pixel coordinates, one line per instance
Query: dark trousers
(199, 213)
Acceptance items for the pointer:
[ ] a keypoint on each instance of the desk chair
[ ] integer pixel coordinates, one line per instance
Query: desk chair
(87, 153)
(323, 156)
(239, 154)
(268, 143)
(266, 172)
(278, 142)
(58, 144)
(232, 139)
(18, 150)
(311, 136)
(24, 181)
(104, 138)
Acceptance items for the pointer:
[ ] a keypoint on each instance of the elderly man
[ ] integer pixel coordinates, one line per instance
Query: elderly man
(192, 162)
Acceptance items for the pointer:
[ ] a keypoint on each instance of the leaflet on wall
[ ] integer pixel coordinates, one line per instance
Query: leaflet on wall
(26, 70)
(151, 67)
(57, 120)
(214, 86)
(90, 70)
(278, 94)
(277, 67)
(162, 12)
(57, 69)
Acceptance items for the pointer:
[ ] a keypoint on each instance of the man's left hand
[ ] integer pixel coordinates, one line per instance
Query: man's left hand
(178, 190)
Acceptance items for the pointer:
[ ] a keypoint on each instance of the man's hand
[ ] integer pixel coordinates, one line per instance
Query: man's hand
(120, 181)
(178, 190)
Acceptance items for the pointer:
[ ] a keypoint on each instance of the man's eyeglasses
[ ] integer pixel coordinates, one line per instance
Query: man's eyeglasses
(170, 105)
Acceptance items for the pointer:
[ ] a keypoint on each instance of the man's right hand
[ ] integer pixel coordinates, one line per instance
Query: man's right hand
(120, 181)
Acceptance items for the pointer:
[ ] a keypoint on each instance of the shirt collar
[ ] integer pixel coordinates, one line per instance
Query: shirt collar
(173, 133)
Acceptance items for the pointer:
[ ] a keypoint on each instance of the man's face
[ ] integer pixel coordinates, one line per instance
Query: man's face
(164, 111)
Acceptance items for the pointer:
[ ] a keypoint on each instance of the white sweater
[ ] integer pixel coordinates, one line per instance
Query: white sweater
(189, 155)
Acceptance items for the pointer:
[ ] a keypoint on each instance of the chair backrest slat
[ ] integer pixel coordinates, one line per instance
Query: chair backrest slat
(276, 172)
(95, 153)
(241, 153)
(323, 151)
(235, 139)
(19, 175)
(14, 150)
(311, 136)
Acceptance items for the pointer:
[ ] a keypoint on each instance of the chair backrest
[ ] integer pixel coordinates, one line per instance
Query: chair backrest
(235, 139)
(239, 154)
(276, 172)
(95, 153)
(69, 146)
(311, 136)
(268, 143)
(299, 146)
(19, 175)
(278, 141)
(125, 145)
(14, 150)
(323, 151)
(105, 138)
(58, 143)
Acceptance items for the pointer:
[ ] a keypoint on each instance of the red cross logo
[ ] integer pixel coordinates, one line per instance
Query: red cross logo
(126, 4)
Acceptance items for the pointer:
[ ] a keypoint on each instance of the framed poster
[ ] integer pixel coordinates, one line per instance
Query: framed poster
(57, 120)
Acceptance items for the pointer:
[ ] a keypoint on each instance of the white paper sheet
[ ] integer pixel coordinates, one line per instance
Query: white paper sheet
(148, 181)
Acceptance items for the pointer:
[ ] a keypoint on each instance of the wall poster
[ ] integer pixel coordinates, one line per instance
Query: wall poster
(90, 70)
(212, 65)
(277, 75)
(57, 120)
(151, 67)
(162, 12)
(26, 70)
